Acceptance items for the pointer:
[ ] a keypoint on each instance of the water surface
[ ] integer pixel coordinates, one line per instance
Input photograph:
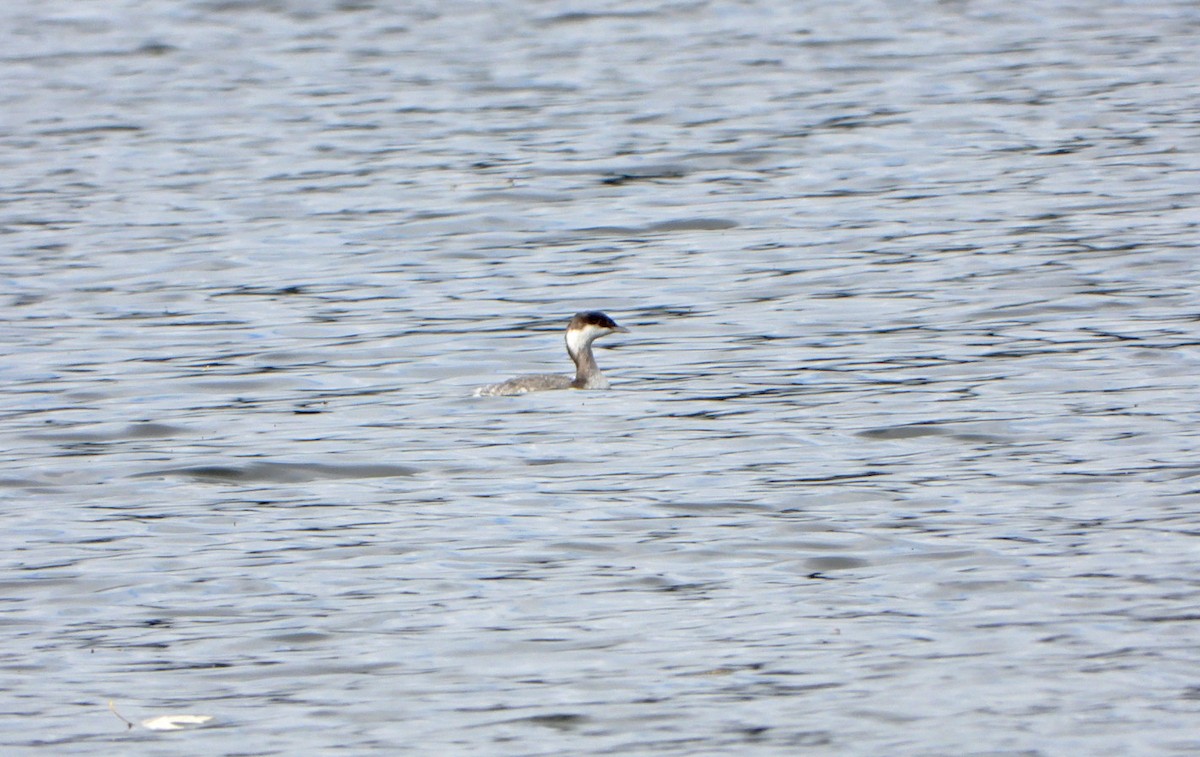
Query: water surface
(900, 455)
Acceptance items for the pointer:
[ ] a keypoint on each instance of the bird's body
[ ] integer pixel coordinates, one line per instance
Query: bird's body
(583, 329)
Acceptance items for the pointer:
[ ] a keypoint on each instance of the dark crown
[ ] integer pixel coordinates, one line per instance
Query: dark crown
(592, 318)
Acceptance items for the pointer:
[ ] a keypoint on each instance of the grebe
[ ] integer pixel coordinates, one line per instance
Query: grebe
(583, 329)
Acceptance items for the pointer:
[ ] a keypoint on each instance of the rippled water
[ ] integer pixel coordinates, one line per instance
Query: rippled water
(901, 454)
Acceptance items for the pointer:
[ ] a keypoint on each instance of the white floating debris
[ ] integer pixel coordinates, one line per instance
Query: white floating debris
(174, 722)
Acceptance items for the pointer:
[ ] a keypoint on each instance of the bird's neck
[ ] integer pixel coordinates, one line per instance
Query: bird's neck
(579, 347)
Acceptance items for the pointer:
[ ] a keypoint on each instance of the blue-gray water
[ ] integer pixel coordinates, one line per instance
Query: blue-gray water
(901, 455)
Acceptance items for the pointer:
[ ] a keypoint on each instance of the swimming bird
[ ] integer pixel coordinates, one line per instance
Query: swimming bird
(583, 329)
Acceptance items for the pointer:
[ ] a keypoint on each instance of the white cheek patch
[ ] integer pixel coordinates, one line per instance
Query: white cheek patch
(577, 339)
